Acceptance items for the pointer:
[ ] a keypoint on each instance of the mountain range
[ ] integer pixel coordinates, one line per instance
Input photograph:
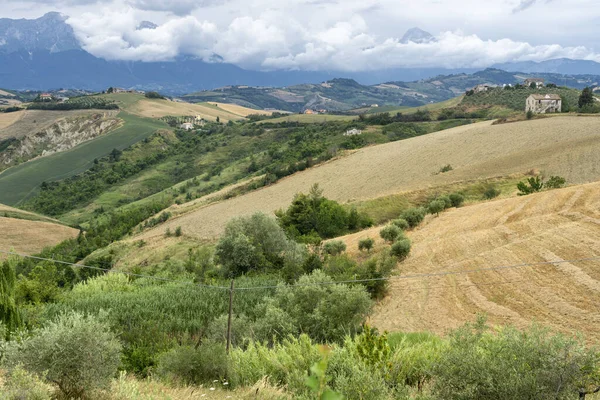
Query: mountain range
(44, 54)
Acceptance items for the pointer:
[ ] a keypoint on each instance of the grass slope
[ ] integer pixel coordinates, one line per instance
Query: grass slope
(21, 181)
(408, 110)
(310, 118)
(566, 146)
(515, 99)
(555, 225)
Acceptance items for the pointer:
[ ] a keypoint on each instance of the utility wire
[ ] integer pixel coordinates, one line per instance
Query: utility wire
(389, 278)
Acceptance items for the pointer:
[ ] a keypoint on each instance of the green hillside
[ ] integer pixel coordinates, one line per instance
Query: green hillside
(22, 181)
(515, 98)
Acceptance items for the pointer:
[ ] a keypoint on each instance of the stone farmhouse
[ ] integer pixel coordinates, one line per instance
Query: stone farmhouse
(539, 82)
(543, 103)
(483, 88)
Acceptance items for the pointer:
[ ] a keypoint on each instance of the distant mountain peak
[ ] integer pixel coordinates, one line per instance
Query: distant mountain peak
(146, 25)
(417, 35)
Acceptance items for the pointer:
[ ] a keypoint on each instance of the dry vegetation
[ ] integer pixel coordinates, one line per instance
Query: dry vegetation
(556, 225)
(7, 119)
(161, 108)
(239, 110)
(25, 236)
(566, 146)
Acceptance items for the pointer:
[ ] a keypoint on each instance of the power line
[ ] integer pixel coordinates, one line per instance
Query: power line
(109, 270)
(389, 278)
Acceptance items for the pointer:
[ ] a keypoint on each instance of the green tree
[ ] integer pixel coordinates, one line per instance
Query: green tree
(586, 98)
(436, 206)
(79, 354)
(414, 216)
(9, 313)
(366, 244)
(456, 199)
(529, 114)
(555, 182)
(401, 249)
(390, 233)
(334, 247)
(533, 185)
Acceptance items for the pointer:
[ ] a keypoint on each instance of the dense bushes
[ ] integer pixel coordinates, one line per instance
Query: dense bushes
(536, 184)
(10, 317)
(192, 365)
(79, 354)
(256, 243)
(414, 216)
(312, 216)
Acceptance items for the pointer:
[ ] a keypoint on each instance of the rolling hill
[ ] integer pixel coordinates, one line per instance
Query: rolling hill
(556, 225)
(566, 146)
(28, 233)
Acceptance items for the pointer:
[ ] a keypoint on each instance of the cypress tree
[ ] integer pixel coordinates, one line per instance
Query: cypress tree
(9, 314)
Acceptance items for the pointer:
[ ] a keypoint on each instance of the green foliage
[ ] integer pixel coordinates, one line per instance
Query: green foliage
(436, 206)
(509, 364)
(586, 98)
(366, 244)
(390, 233)
(22, 385)
(194, 365)
(401, 249)
(515, 99)
(456, 199)
(314, 214)
(80, 354)
(533, 185)
(372, 347)
(446, 168)
(317, 381)
(401, 223)
(555, 182)
(529, 114)
(178, 231)
(153, 95)
(491, 192)
(413, 361)
(256, 243)
(414, 216)
(76, 103)
(334, 247)
(10, 315)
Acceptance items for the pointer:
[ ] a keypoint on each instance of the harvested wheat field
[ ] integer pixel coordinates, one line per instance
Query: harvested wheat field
(25, 236)
(566, 146)
(7, 119)
(162, 108)
(239, 110)
(556, 225)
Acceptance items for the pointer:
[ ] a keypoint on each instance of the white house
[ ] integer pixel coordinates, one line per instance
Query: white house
(352, 132)
(543, 103)
(188, 126)
(483, 87)
(539, 82)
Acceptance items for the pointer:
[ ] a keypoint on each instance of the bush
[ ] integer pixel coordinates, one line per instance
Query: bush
(529, 114)
(533, 184)
(401, 249)
(401, 223)
(366, 244)
(390, 233)
(178, 231)
(446, 168)
(555, 182)
(334, 247)
(194, 366)
(456, 199)
(78, 353)
(436, 206)
(154, 95)
(491, 192)
(256, 243)
(22, 385)
(414, 216)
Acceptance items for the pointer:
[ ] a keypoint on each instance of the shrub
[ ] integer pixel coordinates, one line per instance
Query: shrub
(413, 361)
(178, 231)
(194, 366)
(533, 184)
(401, 223)
(10, 316)
(555, 182)
(446, 168)
(366, 244)
(22, 385)
(529, 114)
(78, 353)
(491, 192)
(456, 199)
(414, 216)
(390, 233)
(446, 200)
(401, 249)
(436, 206)
(334, 247)
(256, 243)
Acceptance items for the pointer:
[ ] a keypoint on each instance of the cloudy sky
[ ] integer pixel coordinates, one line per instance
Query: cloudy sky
(353, 35)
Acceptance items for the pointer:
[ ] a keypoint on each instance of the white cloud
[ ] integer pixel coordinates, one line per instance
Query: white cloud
(336, 35)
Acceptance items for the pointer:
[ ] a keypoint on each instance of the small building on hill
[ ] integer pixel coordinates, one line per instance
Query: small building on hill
(352, 132)
(188, 126)
(309, 111)
(45, 97)
(539, 82)
(543, 103)
(483, 88)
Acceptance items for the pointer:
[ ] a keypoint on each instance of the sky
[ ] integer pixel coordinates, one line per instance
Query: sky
(352, 35)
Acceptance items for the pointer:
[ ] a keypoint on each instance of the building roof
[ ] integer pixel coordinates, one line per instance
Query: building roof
(534, 80)
(545, 97)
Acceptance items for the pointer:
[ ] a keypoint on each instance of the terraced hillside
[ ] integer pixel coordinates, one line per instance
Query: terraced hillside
(556, 225)
(566, 146)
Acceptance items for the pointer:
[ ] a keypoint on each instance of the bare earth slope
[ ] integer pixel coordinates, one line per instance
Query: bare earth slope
(555, 225)
(566, 146)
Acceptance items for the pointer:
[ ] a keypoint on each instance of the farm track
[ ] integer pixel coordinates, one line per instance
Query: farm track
(550, 226)
(566, 146)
